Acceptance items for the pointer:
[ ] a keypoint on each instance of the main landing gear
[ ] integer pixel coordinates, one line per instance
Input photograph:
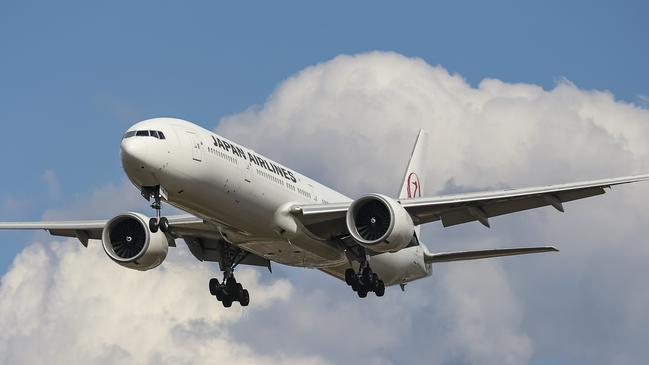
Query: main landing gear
(365, 280)
(229, 290)
(156, 222)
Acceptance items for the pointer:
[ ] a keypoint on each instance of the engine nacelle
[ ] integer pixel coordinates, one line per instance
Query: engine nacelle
(379, 223)
(128, 241)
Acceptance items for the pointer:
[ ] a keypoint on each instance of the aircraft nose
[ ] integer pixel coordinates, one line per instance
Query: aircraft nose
(138, 161)
(133, 152)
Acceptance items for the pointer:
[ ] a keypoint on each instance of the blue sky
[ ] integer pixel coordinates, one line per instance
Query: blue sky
(75, 75)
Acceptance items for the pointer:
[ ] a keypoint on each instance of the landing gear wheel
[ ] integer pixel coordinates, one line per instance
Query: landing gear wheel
(231, 284)
(350, 276)
(356, 286)
(238, 292)
(227, 302)
(153, 225)
(215, 286)
(220, 295)
(245, 298)
(164, 224)
(380, 288)
(368, 277)
(362, 292)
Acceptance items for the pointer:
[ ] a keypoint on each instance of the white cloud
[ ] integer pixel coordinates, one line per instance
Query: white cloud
(350, 122)
(368, 109)
(644, 99)
(62, 304)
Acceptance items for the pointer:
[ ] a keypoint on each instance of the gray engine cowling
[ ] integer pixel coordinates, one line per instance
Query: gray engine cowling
(128, 241)
(379, 223)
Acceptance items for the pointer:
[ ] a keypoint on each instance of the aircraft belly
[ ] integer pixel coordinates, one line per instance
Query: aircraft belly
(393, 268)
(252, 230)
(286, 253)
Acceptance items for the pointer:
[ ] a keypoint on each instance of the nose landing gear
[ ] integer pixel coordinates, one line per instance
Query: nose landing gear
(157, 222)
(161, 223)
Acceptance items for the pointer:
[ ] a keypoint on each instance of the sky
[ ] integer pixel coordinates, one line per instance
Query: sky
(514, 93)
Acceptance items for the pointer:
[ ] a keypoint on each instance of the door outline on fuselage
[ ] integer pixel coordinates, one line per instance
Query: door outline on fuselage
(197, 152)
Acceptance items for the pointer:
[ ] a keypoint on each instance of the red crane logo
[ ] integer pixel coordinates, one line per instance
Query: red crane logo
(414, 186)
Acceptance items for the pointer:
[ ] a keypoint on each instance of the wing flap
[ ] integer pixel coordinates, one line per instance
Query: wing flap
(495, 208)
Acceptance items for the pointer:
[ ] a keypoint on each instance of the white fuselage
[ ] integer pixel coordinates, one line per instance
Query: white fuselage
(241, 192)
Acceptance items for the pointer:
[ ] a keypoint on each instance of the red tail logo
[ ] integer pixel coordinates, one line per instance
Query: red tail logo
(414, 186)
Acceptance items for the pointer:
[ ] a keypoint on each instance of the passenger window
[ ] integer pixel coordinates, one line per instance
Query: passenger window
(142, 133)
(162, 136)
(154, 134)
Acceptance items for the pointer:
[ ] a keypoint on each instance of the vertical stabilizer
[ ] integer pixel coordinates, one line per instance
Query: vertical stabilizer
(414, 179)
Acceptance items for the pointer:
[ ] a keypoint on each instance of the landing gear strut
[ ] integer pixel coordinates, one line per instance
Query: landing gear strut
(229, 290)
(156, 222)
(365, 280)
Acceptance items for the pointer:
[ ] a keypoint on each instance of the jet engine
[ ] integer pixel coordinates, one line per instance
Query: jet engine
(128, 241)
(380, 223)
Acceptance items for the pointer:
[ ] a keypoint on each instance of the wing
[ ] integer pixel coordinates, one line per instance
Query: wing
(87, 229)
(430, 258)
(203, 238)
(462, 208)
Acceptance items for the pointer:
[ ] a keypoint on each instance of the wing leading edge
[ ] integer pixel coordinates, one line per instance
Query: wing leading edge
(87, 229)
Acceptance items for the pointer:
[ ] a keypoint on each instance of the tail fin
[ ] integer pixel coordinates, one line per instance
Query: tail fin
(415, 175)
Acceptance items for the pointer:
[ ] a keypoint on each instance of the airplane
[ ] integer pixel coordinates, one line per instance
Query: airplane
(243, 208)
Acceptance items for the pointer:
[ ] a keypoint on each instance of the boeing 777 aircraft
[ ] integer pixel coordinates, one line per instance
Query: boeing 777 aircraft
(245, 209)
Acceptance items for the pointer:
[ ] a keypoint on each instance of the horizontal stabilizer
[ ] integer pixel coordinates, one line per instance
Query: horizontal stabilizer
(484, 254)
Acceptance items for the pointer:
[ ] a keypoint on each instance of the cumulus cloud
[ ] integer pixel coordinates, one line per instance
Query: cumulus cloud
(62, 304)
(350, 123)
(643, 99)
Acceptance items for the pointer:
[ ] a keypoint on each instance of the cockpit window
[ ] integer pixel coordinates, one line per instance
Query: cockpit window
(129, 134)
(156, 134)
